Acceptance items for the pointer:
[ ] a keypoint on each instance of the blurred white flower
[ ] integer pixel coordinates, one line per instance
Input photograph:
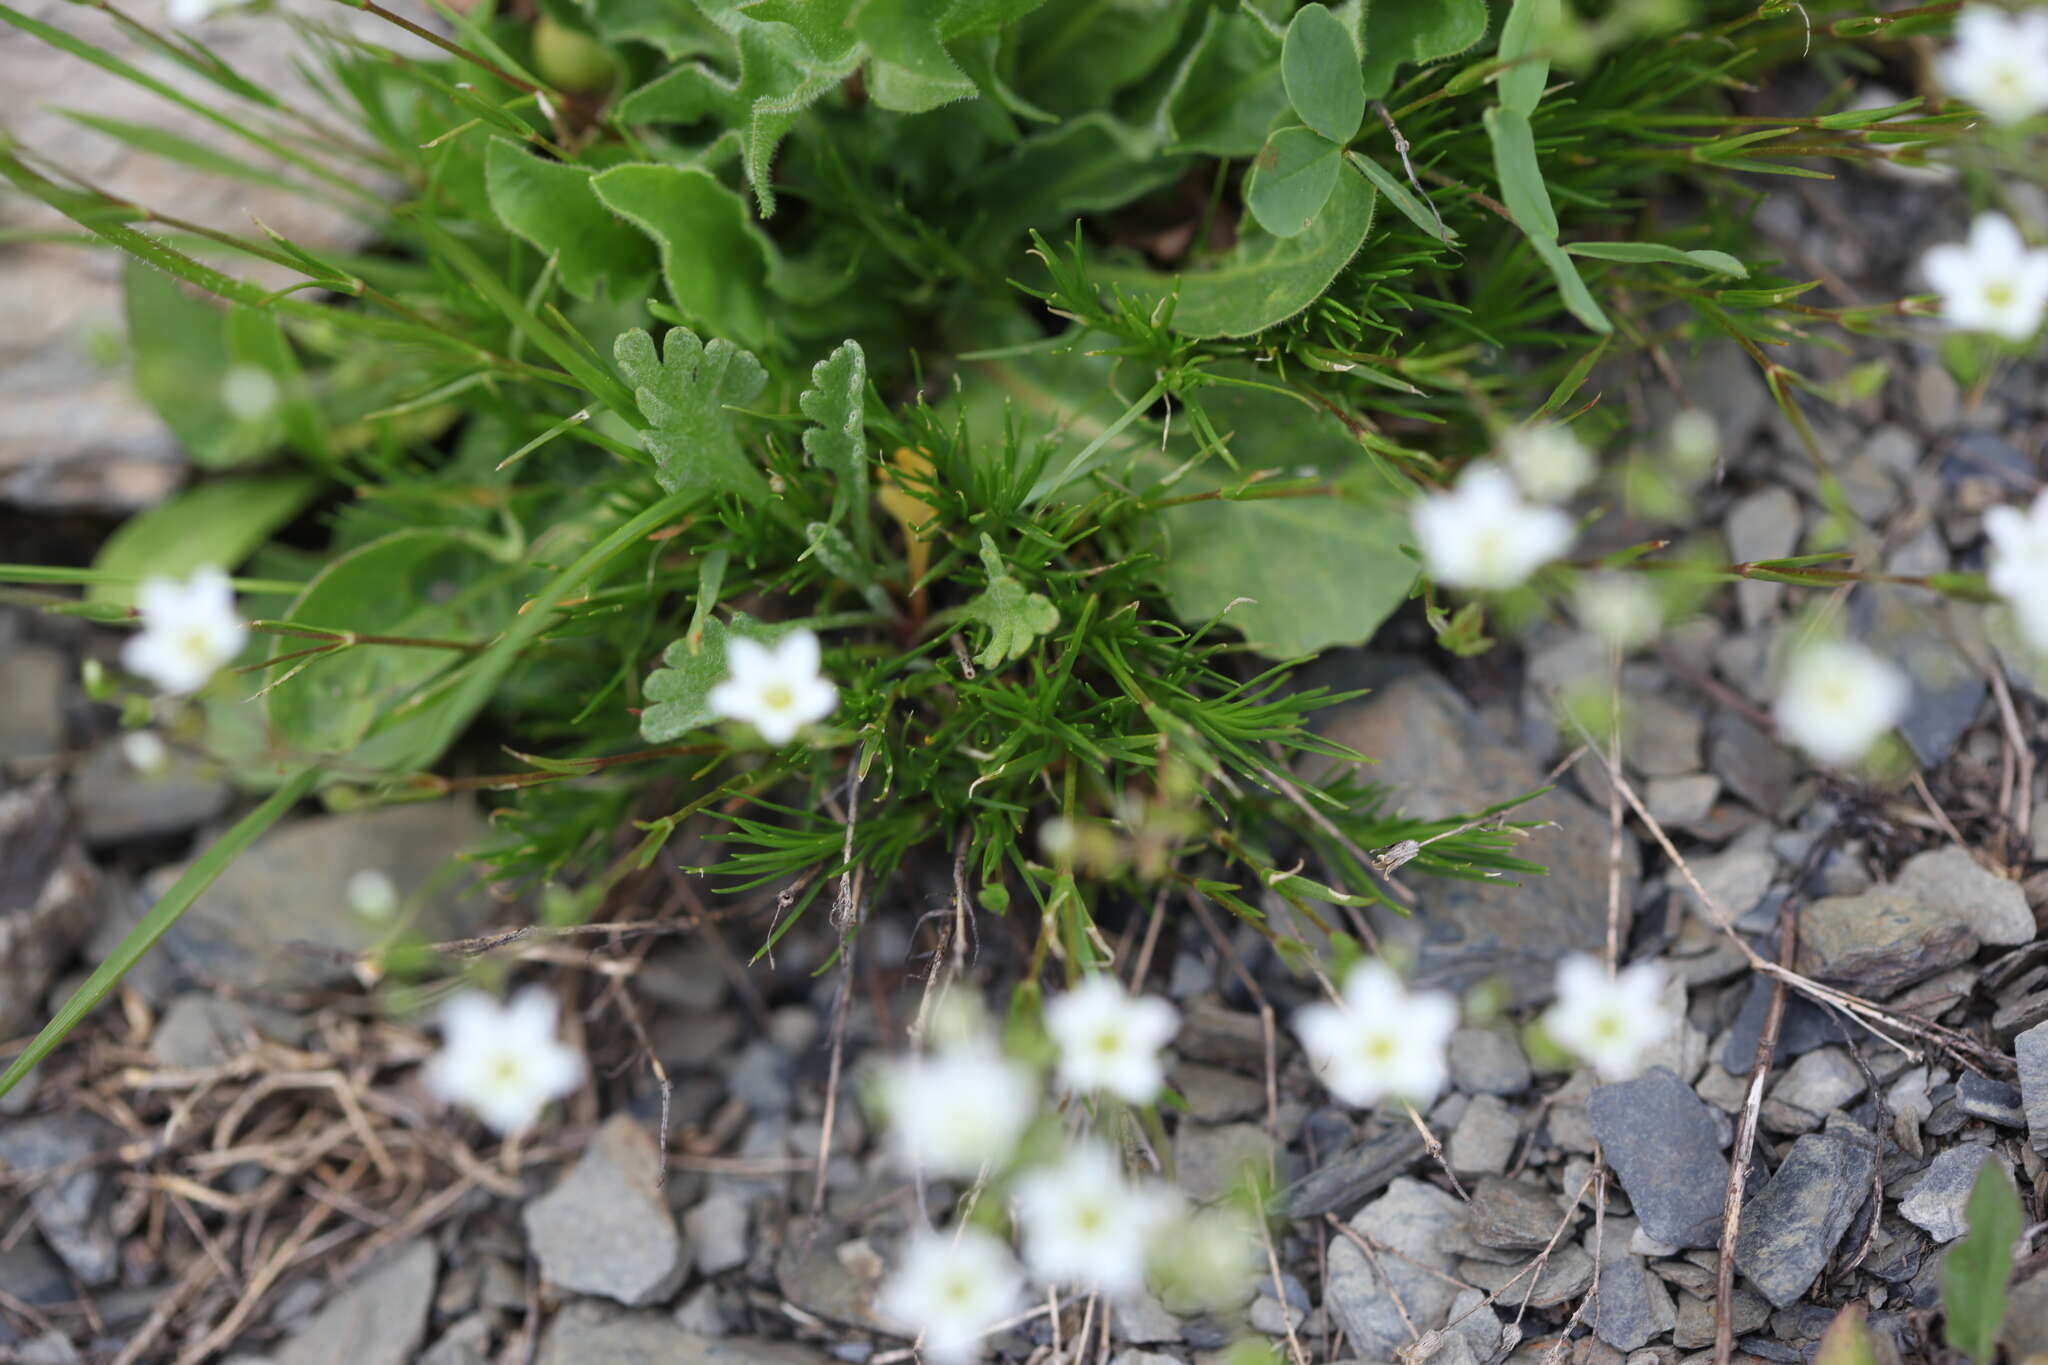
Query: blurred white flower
(146, 752)
(1547, 461)
(1694, 441)
(1207, 1261)
(371, 893)
(1996, 283)
(951, 1290)
(2018, 568)
(1838, 698)
(774, 688)
(1481, 534)
(1381, 1041)
(1621, 608)
(503, 1061)
(1086, 1225)
(957, 1111)
(1999, 62)
(1610, 1022)
(188, 631)
(1110, 1039)
(249, 394)
(187, 12)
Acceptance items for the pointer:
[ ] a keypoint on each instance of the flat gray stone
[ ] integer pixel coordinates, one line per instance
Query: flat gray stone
(380, 1319)
(2025, 1335)
(1421, 1222)
(588, 1333)
(1357, 1173)
(51, 900)
(1216, 1095)
(1695, 1326)
(1634, 1307)
(70, 1211)
(606, 1227)
(1438, 758)
(1949, 881)
(1513, 1215)
(717, 1229)
(1484, 1141)
(2031, 1049)
(1797, 1219)
(1210, 1160)
(117, 804)
(1142, 1319)
(1736, 878)
(1564, 1277)
(1752, 764)
(1936, 1202)
(1764, 525)
(1665, 1147)
(1813, 1087)
(1488, 1061)
(32, 679)
(1881, 940)
(1994, 1101)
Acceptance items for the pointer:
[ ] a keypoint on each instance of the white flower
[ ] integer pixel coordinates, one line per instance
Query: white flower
(1999, 62)
(1482, 534)
(1995, 284)
(2018, 569)
(1087, 1226)
(1109, 1039)
(372, 894)
(1621, 608)
(189, 630)
(1610, 1022)
(951, 1291)
(1548, 461)
(959, 1110)
(1694, 440)
(503, 1061)
(1838, 698)
(1207, 1261)
(249, 394)
(774, 688)
(185, 13)
(146, 752)
(1381, 1041)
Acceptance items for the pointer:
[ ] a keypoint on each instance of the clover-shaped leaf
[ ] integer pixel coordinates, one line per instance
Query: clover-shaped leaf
(679, 692)
(1294, 176)
(684, 394)
(1013, 616)
(1319, 65)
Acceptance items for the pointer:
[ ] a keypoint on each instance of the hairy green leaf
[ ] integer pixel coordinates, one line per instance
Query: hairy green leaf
(680, 690)
(684, 394)
(833, 401)
(1396, 32)
(553, 206)
(1720, 262)
(217, 524)
(1974, 1272)
(1293, 178)
(1225, 93)
(1013, 616)
(1320, 67)
(716, 261)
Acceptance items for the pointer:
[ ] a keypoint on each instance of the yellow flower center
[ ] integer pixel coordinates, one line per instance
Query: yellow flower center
(777, 697)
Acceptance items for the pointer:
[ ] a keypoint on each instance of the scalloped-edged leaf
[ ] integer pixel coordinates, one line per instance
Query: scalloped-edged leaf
(552, 205)
(1320, 68)
(716, 261)
(1291, 181)
(1402, 31)
(1719, 262)
(834, 401)
(684, 393)
(1265, 279)
(679, 692)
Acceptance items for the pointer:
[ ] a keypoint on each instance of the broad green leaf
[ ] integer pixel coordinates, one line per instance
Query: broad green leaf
(203, 872)
(1014, 617)
(1292, 180)
(1321, 70)
(1720, 262)
(1527, 28)
(679, 692)
(1577, 298)
(684, 394)
(909, 69)
(1075, 56)
(1265, 280)
(552, 205)
(256, 340)
(420, 583)
(1226, 92)
(1974, 1272)
(716, 261)
(1321, 571)
(1399, 195)
(216, 524)
(181, 360)
(833, 401)
(1847, 1339)
(1402, 31)
(1520, 174)
(1086, 165)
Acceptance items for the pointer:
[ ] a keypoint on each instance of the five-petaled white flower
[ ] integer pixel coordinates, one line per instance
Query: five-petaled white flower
(1608, 1021)
(2018, 568)
(1109, 1039)
(1548, 461)
(1482, 534)
(1622, 609)
(951, 1290)
(1380, 1041)
(503, 1061)
(1086, 1225)
(189, 630)
(1999, 62)
(959, 1110)
(1996, 283)
(1838, 698)
(774, 688)
(146, 752)
(372, 894)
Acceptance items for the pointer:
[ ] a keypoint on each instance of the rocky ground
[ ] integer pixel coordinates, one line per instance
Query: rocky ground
(235, 1159)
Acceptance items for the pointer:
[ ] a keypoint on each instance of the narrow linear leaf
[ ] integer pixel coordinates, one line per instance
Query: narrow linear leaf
(1319, 65)
(1577, 298)
(1403, 200)
(1520, 175)
(1720, 262)
(1528, 25)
